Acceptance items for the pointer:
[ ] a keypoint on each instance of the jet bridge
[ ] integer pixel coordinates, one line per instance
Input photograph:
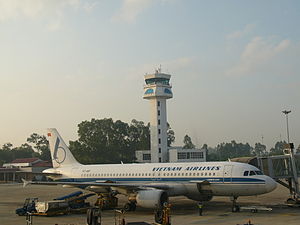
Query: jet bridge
(285, 169)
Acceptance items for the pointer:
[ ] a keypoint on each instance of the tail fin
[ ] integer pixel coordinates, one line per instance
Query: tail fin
(60, 153)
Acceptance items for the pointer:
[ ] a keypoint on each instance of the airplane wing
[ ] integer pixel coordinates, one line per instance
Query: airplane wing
(127, 186)
(202, 182)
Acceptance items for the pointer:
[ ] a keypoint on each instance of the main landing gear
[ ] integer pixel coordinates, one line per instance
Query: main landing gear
(235, 206)
(129, 206)
(106, 201)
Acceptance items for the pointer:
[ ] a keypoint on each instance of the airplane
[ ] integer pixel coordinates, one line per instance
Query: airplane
(149, 185)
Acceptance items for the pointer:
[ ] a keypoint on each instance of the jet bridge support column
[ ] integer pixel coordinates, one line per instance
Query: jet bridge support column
(295, 194)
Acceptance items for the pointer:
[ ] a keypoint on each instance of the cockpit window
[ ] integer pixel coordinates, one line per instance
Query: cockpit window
(252, 173)
(258, 172)
(246, 173)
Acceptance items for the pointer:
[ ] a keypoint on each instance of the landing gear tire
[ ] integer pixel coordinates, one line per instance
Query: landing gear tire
(235, 208)
(158, 216)
(291, 201)
(130, 206)
(133, 207)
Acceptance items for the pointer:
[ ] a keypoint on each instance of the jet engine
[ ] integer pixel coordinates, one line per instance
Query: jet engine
(151, 198)
(199, 191)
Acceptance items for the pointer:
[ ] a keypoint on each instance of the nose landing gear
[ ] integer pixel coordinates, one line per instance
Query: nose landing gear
(235, 206)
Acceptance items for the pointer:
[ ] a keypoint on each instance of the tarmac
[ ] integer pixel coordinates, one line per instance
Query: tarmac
(183, 210)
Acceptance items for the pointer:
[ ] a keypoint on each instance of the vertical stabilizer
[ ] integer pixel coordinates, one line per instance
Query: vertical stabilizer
(60, 153)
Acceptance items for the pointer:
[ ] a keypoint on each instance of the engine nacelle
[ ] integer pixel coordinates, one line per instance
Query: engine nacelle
(199, 192)
(151, 198)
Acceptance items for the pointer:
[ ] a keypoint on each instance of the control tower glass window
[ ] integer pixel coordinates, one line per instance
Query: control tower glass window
(157, 81)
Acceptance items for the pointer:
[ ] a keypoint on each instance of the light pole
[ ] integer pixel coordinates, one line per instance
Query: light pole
(286, 112)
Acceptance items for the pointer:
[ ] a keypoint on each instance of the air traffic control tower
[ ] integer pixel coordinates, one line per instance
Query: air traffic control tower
(158, 89)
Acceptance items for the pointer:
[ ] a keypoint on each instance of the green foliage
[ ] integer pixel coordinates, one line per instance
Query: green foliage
(278, 148)
(106, 141)
(171, 135)
(211, 157)
(8, 153)
(24, 151)
(226, 151)
(100, 141)
(260, 150)
(41, 145)
(187, 141)
(5, 153)
(139, 134)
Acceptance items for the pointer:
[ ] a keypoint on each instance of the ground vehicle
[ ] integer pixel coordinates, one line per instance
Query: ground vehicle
(29, 206)
(71, 203)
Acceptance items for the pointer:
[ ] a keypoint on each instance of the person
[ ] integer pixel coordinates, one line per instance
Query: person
(200, 208)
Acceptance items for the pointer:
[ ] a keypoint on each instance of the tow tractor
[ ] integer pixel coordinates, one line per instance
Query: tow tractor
(71, 203)
(28, 207)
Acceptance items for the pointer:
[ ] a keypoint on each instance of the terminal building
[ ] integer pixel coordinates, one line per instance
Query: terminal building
(26, 168)
(157, 90)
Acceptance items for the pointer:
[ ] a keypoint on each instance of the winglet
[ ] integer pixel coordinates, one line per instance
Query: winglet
(25, 182)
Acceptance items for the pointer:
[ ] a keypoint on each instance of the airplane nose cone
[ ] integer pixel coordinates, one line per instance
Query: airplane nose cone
(270, 184)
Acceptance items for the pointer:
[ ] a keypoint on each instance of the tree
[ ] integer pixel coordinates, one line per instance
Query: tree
(226, 151)
(212, 156)
(41, 145)
(108, 141)
(7, 147)
(8, 153)
(24, 151)
(104, 141)
(5, 153)
(187, 141)
(260, 149)
(278, 148)
(204, 146)
(171, 135)
(139, 135)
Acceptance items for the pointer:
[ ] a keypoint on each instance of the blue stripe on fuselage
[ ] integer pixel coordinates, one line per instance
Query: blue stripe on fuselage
(233, 180)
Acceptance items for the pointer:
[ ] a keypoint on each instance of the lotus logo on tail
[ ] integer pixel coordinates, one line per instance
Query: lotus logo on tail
(59, 152)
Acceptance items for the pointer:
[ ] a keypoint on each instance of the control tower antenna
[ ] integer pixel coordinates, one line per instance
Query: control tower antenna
(157, 90)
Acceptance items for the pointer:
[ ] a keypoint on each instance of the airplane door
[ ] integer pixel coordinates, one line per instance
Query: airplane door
(227, 174)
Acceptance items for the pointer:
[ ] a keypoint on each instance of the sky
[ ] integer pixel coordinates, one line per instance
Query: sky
(234, 66)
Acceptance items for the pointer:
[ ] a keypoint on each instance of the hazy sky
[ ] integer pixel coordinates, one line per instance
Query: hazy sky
(234, 66)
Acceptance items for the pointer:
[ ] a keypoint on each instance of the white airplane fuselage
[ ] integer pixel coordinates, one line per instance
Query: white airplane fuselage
(225, 178)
